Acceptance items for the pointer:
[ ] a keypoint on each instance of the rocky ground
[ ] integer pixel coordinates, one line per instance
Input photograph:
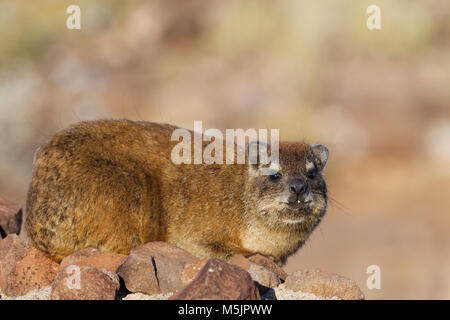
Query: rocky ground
(154, 271)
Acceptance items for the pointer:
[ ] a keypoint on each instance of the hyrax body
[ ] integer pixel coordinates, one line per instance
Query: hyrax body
(112, 185)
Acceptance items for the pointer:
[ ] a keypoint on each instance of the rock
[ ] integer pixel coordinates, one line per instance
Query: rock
(77, 257)
(92, 284)
(38, 294)
(140, 296)
(10, 218)
(156, 267)
(324, 284)
(219, 280)
(138, 273)
(33, 271)
(23, 268)
(102, 261)
(269, 265)
(191, 270)
(11, 251)
(240, 261)
(281, 293)
(264, 278)
(105, 261)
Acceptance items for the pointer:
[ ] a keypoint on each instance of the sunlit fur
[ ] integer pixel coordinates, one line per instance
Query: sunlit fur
(111, 185)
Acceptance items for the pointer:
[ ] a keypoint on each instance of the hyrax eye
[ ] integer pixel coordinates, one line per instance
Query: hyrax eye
(275, 177)
(312, 173)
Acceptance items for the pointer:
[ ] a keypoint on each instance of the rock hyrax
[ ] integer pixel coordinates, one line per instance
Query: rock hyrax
(111, 184)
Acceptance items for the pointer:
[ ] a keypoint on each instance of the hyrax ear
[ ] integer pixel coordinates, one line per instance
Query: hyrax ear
(321, 152)
(256, 149)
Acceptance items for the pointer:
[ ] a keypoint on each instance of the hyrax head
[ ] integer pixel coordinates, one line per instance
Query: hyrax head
(291, 192)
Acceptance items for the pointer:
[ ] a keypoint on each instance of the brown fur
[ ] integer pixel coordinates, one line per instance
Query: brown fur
(111, 184)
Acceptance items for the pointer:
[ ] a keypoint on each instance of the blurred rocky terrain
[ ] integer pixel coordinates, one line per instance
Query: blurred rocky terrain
(378, 99)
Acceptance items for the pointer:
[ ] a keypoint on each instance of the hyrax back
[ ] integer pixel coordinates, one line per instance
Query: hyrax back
(91, 187)
(111, 185)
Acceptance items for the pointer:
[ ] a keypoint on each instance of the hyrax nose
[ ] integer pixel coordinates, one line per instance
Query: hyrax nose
(298, 186)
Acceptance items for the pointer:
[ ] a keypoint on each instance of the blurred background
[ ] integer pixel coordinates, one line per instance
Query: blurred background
(379, 99)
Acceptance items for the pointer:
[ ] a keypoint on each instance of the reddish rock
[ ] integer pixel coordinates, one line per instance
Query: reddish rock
(324, 284)
(240, 261)
(105, 261)
(23, 268)
(77, 257)
(102, 261)
(84, 283)
(191, 270)
(11, 251)
(219, 280)
(34, 271)
(269, 265)
(265, 279)
(10, 217)
(138, 273)
(156, 267)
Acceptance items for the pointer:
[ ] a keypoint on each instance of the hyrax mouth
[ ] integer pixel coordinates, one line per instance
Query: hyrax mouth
(301, 202)
(299, 209)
